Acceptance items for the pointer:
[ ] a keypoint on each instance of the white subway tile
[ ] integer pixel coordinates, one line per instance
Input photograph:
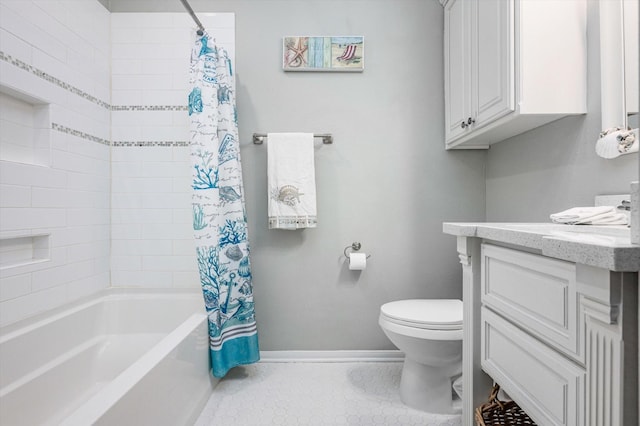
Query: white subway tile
(28, 218)
(186, 279)
(126, 231)
(147, 279)
(24, 81)
(184, 247)
(141, 20)
(126, 263)
(165, 133)
(15, 47)
(126, 35)
(166, 201)
(126, 66)
(151, 169)
(15, 196)
(90, 216)
(145, 215)
(183, 215)
(156, 185)
(126, 97)
(165, 96)
(155, 231)
(31, 175)
(15, 286)
(31, 304)
(76, 234)
(87, 251)
(61, 275)
(181, 184)
(141, 247)
(162, 66)
(63, 160)
(86, 286)
(169, 263)
(89, 182)
(121, 134)
(126, 169)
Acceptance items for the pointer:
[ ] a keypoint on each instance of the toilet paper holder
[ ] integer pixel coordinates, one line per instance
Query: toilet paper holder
(355, 246)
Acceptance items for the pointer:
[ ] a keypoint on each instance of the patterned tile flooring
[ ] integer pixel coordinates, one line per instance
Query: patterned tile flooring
(309, 394)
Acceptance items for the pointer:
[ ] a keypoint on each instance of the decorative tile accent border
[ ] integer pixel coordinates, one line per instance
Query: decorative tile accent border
(149, 108)
(69, 87)
(79, 134)
(76, 91)
(51, 79)
(150, 143)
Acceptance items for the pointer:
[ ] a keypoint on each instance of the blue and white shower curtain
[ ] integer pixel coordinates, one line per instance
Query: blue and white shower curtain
(219, 218)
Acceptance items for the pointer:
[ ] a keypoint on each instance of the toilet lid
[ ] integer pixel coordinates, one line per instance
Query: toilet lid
(444, 314)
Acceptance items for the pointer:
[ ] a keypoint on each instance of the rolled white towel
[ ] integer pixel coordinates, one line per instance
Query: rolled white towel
(603, 215)
(606, 219)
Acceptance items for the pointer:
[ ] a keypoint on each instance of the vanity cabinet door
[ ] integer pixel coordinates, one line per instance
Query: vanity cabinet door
(536, 292)
(546, 385)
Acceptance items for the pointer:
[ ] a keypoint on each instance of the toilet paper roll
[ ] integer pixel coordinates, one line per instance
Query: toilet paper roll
(357, 261)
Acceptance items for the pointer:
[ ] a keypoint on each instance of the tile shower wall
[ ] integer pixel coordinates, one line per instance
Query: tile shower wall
(151, 230)
(54, 189)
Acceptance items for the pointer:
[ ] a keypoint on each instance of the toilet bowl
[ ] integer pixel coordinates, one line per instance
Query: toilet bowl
(429, 332)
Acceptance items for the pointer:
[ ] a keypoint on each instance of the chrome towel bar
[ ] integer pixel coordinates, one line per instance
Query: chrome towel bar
(327, 138)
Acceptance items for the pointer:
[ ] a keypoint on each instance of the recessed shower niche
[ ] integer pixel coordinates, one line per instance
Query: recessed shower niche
(25, 128)
(24, 250)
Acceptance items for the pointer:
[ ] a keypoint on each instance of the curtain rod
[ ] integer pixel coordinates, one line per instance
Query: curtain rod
(187, 6)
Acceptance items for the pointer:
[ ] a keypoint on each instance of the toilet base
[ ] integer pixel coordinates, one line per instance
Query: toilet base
(427, 388)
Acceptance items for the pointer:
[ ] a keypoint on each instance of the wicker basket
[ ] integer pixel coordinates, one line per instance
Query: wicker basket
(496, 412)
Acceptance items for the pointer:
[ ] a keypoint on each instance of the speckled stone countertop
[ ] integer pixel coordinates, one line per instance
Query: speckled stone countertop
(607, 247)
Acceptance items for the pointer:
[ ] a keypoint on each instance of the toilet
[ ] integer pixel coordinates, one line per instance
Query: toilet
(429, 332)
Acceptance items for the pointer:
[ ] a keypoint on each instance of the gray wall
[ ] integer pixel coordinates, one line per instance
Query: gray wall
(386, 181)
(555, 167)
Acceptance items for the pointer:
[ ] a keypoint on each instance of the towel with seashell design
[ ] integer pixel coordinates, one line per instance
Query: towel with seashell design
(291, 181)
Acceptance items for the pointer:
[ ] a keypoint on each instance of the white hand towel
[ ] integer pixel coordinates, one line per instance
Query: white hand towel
(603, 215)
(291, 181)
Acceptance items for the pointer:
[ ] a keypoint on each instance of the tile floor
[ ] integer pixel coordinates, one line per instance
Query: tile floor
(309, 394)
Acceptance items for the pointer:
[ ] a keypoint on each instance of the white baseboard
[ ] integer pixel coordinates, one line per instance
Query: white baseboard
(331, 356)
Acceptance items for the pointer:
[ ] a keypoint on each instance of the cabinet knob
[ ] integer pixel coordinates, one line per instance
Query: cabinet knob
(463, 124)
(470, 121)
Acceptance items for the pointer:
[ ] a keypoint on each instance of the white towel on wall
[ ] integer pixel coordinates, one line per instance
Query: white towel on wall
(603, 215)
(291, 181)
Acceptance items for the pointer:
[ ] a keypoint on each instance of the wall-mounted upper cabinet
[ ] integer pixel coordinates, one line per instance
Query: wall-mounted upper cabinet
(511, 66)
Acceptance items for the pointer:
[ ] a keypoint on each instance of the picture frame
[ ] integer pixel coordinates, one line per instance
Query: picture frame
(323, 53)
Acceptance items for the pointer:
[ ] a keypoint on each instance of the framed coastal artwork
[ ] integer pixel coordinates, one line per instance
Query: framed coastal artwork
(304, 53)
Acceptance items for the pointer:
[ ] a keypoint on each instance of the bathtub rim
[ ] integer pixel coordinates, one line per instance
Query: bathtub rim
(12, 330)
(99, 404)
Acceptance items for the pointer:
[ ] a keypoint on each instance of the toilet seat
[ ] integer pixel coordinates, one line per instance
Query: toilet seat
(430, 314)
(434, 319)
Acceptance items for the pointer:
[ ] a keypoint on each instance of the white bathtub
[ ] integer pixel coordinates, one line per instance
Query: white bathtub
(121, 358)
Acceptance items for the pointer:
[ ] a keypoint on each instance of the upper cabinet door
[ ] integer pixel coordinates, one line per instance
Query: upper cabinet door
(493, 58)
(511, 66)
(457, 64)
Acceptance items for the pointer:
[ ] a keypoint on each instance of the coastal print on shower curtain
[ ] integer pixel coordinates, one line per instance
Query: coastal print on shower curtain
(219, 218)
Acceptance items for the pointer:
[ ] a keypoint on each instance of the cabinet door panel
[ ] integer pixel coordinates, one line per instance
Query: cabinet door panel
(549, 387)
(457, 68)
(493, 56)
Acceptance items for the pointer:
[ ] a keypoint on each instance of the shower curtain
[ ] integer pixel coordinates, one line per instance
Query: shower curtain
(219, 218)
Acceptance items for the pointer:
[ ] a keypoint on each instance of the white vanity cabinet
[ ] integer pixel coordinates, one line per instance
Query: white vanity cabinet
(510, 66)
(551, 314)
